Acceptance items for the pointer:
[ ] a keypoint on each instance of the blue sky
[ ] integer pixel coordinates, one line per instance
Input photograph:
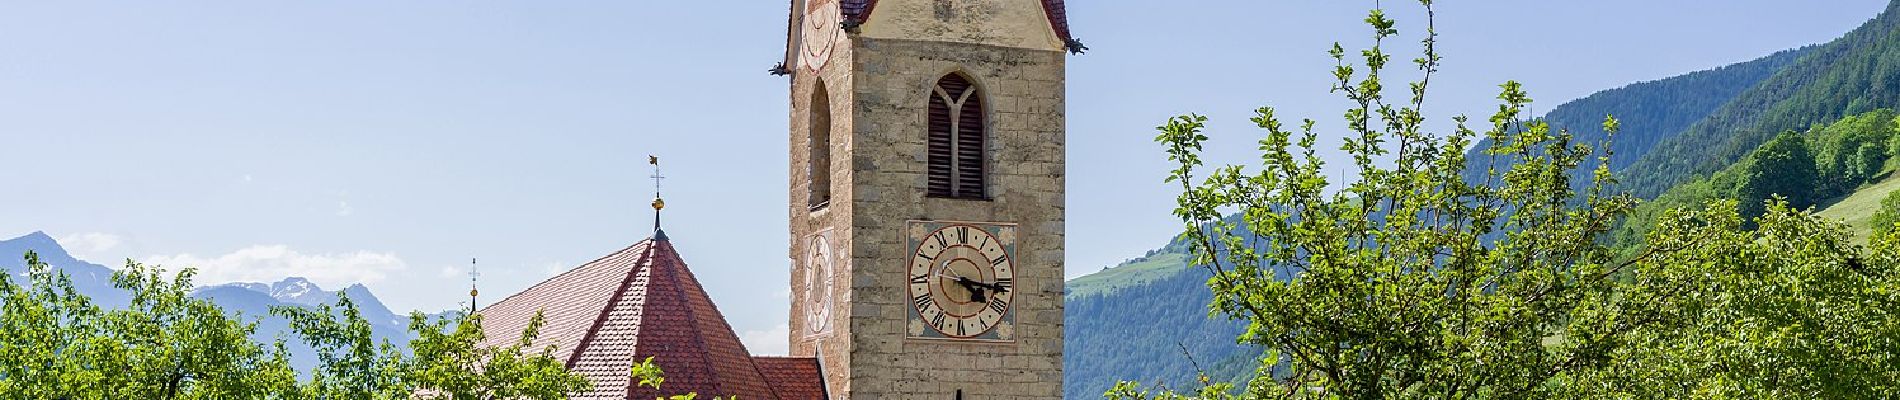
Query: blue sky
(389, 142)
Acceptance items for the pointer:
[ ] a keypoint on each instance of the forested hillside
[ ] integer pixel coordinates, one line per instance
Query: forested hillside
(1652, 111)
(1147, 321)
(1854, 74)
(1821, 167)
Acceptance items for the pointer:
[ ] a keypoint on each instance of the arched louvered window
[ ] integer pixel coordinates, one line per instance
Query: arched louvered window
(818, 171)
(956, 143)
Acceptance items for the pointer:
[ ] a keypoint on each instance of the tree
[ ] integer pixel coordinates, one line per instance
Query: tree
(450, 360)
(1851, 151)
(1782, 167)
(1885, 219)
(350, 363)
(447, 361)
(1793, 309)
(54, 343)
(1410, 282)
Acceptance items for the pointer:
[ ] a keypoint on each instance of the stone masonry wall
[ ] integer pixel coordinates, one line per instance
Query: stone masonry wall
(837, 78)
(1022, 92)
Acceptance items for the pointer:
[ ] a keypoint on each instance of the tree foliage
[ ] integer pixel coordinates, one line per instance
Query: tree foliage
(56, 344)
(1412, 282)
(1837, 171)
(1852, 151)
(1792, 309)
(1782, 167)
(449, 360)
(1887, 219)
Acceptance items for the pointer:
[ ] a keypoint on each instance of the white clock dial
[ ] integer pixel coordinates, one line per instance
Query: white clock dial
(962, 282)
(820, 265)
(822, 29)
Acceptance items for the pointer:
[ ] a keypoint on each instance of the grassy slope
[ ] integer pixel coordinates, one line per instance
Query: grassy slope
(1135, 273)
(1860, 206)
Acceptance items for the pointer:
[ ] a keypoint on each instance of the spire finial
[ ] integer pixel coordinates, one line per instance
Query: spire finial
(658, 204)
(472, 292)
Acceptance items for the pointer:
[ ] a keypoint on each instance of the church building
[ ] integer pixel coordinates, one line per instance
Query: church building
(927, 168)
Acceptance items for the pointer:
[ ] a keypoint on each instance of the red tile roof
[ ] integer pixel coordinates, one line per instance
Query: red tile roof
(1058, 18)
(859, 11)
(794, 378)
(856, 12)
(635, 303)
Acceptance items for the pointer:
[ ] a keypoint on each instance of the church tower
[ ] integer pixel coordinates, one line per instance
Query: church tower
(927, 146)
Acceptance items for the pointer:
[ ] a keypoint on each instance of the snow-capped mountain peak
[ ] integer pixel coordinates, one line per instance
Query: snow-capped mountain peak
(299, 291)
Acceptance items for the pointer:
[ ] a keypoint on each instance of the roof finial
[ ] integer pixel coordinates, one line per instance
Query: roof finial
(472, 292)
(658, 204)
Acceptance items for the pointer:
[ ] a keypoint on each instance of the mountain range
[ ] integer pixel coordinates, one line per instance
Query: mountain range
(249, 301)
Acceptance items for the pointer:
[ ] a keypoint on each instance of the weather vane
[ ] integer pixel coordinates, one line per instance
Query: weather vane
(472, 292)
(657, 202)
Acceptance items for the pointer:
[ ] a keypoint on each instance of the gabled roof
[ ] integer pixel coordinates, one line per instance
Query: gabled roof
(858, 11)
(639, 302)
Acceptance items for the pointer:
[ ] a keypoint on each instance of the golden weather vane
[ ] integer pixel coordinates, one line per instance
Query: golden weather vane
(657, 202)
(472, 292)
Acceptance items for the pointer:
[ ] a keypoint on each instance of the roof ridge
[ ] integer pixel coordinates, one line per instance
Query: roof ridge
(565, 273)
(586, 340)
(699, 341)
(680, 276)
(857, 12)
(645, 301)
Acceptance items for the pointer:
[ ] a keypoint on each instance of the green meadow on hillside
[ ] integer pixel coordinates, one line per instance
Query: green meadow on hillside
(1857, 209)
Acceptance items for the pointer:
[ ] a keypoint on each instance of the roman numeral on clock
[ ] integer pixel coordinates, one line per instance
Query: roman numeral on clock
(999, 260)
(923, 301)
(963, 234)
(999, 305)
(920, 279)
(937, 320)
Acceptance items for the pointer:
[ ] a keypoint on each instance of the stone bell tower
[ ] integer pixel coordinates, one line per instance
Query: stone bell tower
(927, 146)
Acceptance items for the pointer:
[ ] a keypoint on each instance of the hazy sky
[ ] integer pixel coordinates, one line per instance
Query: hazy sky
(389, 142)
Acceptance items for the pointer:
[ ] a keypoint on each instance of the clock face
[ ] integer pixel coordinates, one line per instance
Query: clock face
(962, 281)
(820, 264)
(823, 26)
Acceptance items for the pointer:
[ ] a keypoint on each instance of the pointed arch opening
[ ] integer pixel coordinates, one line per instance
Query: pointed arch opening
(818, 169)
(956, 145)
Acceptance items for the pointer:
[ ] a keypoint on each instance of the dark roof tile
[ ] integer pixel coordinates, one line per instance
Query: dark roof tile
(858, 11)
(793, 378)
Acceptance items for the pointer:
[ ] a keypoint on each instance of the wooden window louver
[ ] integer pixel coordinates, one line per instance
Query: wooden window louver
(818, 170)
(956, 140)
